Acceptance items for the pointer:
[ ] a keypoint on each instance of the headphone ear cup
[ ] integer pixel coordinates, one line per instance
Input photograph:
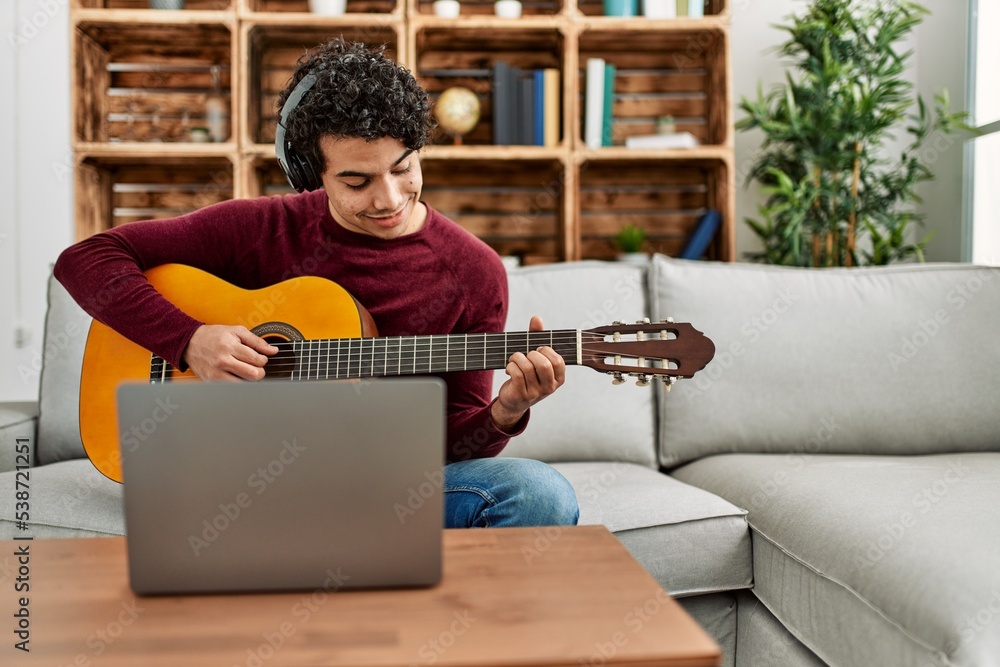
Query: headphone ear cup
(299, 169)
(310, 178)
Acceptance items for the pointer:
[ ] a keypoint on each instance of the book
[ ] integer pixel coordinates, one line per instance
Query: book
(538, 126)
(608, 118)
(675, 140)
(525, 108)
(501, 104)
(551, 107)
(594, 103)
(702, 235)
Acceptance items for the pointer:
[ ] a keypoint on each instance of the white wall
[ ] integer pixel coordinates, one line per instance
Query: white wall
(940, 45)
(36, 195)
(36, 200)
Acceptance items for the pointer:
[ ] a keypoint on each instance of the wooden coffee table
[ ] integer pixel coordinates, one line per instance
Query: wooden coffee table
(510, 596)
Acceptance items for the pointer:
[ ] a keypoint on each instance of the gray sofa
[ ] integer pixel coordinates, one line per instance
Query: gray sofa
(825, 492)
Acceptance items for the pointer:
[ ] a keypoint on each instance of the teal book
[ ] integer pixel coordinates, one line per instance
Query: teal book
(608, 123)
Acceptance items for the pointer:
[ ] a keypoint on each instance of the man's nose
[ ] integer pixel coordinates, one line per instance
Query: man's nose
(387, 196)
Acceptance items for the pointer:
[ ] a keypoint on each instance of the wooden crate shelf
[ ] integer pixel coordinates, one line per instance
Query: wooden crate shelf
(112, 191)
(272, 52)
(565, 202)
(516, 206)
(446, 57)
(678, 73)
(147, 82)
(666, 198)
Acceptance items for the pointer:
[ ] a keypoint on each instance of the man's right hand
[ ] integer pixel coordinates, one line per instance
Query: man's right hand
(217, 352)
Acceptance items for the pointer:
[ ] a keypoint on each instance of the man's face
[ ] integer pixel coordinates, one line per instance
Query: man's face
(373, 187)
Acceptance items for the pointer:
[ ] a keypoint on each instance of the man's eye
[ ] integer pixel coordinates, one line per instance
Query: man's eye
(400, 172)
(360, 186)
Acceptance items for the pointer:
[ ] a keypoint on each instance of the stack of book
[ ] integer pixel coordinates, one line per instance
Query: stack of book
(598, 113)
(525, 106)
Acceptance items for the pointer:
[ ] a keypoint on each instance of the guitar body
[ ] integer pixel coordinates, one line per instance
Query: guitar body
(318, 308)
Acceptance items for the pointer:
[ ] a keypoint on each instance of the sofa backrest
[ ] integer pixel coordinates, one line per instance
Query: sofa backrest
(587, 419)
(885, 360)
(66, 328)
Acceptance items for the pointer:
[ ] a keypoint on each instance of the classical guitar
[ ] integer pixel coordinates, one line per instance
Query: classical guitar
(338, 340)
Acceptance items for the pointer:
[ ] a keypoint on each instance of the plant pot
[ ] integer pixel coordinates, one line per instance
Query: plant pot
(328, 7)
(507, 9)
(641, 258)
(166, 4)
(446, 9)
(659, 9)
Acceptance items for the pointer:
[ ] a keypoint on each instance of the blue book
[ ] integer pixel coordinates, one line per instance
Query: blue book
(702, 236)
(538, 133)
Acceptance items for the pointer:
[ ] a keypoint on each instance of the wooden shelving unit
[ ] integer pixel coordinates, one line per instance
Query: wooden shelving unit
(141, 78)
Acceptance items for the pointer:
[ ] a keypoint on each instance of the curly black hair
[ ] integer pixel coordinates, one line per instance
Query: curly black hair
(358, 92)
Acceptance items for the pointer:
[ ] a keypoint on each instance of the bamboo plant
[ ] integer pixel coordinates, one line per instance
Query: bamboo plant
(833, 198)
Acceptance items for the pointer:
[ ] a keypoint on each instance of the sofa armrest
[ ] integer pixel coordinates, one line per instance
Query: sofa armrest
(18, 425)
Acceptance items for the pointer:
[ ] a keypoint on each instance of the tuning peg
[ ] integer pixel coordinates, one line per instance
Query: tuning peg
(642, 380)
(668, 320)
(668, 382)
(618, 323)
(618, 379)
(644, 320)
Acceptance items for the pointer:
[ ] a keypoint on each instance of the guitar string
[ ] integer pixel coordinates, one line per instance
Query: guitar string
(417, 365)
(418, 352)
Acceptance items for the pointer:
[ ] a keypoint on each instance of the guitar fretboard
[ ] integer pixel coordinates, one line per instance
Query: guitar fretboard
(344, 358)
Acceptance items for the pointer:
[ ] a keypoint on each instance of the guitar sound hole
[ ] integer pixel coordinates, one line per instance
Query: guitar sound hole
(279, 366)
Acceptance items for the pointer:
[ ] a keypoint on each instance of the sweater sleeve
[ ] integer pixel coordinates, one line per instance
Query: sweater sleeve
(104, 273)
(471, 431)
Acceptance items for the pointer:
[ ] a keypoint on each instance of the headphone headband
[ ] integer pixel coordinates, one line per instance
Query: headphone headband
(300, 171)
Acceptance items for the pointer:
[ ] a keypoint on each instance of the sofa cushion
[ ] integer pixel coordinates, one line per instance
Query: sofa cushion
(587, 419)
(839, 361)
(691, 541)
(66, 329)
(873, 560)
(68, 499)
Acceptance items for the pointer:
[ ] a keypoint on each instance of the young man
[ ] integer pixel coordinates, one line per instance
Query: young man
(358, 122)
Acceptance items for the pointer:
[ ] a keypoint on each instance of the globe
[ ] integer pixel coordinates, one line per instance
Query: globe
(457, 111)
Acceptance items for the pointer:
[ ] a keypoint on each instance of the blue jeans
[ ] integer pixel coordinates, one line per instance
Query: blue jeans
(481, 493)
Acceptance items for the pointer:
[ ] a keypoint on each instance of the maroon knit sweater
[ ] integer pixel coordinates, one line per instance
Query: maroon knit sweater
(438, 280)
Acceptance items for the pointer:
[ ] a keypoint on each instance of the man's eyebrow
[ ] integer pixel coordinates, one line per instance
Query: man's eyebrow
(359, 174)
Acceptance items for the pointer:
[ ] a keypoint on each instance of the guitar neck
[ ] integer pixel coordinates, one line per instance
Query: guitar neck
(342, 358)
(352, 358)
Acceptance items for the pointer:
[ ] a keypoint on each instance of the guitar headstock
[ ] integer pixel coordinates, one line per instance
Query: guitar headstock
(664, 350)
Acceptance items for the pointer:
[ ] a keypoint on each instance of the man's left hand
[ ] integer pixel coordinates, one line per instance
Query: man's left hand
(533, 376)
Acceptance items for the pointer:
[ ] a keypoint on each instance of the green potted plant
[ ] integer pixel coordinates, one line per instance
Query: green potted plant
(833, 197)
(629, 240)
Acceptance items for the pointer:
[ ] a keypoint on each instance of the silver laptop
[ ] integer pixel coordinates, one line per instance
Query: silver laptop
(281, 485)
